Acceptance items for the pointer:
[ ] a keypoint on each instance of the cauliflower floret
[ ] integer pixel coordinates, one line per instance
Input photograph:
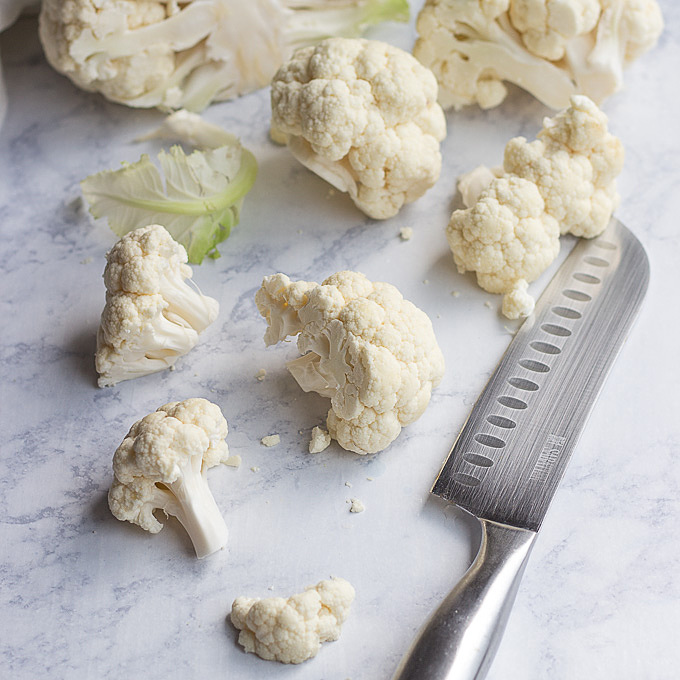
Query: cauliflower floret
(574, 163)
(152, 316)
(551, 48)
(371, 352)
(507, 239)
(546, 26)
(68, 28)
(363, 115)
(564, 182)
(292, 630)
(162, 464)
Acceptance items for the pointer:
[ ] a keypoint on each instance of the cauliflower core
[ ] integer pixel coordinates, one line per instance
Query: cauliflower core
(363, 115)
(371, 352)
(292, 630)
(152, 316)
(563, 182)
(162, 464)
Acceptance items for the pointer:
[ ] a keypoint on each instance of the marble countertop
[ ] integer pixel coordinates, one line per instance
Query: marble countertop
(85, 596)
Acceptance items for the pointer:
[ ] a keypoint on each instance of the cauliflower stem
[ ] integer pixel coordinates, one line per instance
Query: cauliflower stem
(190, 500)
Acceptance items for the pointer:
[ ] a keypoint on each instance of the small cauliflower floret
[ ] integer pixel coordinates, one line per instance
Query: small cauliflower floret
(292, 630)
(574, 163)
(363, 115)
(152, 316)
(551, 48)
(162, 465)
(371, 352)
(507, 239)
(546, 26)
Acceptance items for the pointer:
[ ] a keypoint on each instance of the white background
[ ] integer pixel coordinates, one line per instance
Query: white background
(85, 596)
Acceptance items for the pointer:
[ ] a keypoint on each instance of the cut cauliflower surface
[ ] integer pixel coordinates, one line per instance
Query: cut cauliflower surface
(574, 163)
(152, 316)
(291, 630)
(364, 116)
(162, 464)
(507, 239)
(373, 353)
(551, 48)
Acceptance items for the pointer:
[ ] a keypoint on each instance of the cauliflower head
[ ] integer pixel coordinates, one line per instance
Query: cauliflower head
(187, 53)
(373, 353)
(507, 239)
(162, 464)
(291, 630)
(551, 48)
(77, 34)
(574, 163)
(363, 115)
(152, 316)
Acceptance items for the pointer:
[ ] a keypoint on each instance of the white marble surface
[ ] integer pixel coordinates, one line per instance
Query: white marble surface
(85, 596)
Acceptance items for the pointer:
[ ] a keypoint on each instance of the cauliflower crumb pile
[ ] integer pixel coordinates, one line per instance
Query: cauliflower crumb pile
(363, 115)
(371, 352)
(563, 182)
(292, 630)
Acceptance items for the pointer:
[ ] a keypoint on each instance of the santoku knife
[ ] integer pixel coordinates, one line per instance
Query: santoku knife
(509, 458)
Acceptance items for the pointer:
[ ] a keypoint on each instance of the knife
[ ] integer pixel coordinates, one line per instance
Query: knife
(507, 461)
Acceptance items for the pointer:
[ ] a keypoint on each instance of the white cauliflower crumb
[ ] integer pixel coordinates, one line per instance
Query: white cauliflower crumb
(233, 461)
(406, 233)
(356, 505)
(261, 374)
(255, 468)
(271, 440)
(292, 630)
(348, 484)
(320, 440)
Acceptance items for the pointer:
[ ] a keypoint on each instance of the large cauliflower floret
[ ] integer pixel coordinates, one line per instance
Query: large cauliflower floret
(162, 464)
(364, 116)
(152, 316)
(292, 630)
(70, 30)
(187, 53)
(574, 163)
(507, 239)
(371, 352)
(551, 48)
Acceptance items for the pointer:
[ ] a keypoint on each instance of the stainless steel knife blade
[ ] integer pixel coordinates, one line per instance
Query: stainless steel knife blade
(511, 454)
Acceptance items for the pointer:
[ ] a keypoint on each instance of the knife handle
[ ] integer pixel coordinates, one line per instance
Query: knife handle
(459, 640)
